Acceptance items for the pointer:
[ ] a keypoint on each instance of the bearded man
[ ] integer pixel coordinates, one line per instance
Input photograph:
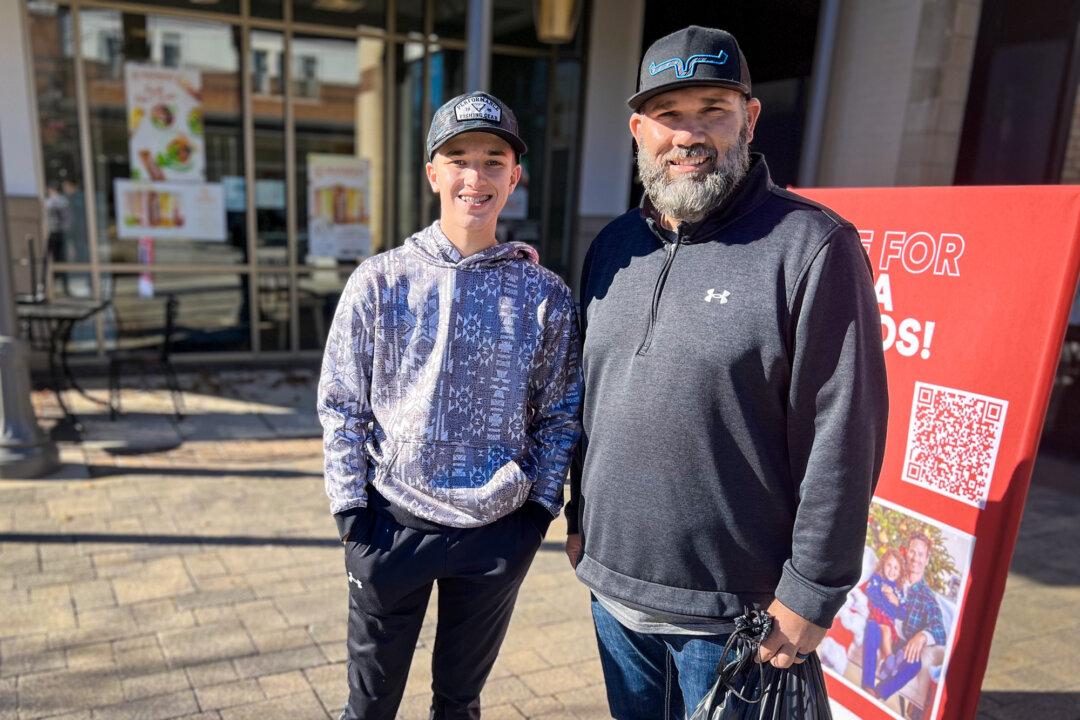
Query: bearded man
(735, 401)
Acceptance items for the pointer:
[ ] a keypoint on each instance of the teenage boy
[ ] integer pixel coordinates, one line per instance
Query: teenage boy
(449, 399)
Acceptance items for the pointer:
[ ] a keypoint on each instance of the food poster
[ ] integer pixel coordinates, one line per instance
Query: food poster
(170, 211)
(339, 202)
(165, 123)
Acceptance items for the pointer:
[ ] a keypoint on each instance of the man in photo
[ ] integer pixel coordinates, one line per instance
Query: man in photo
(735, 404)
(921, 625)
(449, 398)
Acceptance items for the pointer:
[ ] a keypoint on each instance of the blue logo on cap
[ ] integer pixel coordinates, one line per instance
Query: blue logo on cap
(687, 69)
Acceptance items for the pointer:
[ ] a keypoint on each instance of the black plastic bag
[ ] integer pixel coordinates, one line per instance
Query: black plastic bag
(746, 690)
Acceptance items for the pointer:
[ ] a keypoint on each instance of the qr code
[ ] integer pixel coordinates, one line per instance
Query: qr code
(953, 442)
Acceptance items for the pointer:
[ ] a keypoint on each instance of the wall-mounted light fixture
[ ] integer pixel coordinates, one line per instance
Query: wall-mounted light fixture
(556, 20)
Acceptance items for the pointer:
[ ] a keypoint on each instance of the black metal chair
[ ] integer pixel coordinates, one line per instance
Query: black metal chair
(145, 332)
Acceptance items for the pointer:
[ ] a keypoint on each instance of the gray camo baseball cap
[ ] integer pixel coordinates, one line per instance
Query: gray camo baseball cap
(474, 112)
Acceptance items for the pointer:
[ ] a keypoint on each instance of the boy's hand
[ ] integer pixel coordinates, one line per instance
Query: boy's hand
(573, 549)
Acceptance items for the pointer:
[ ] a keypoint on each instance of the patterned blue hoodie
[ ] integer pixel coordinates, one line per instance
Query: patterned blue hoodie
(452, 385)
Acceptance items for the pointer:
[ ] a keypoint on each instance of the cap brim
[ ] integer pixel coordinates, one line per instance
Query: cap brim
(515, 142)
(636, 101)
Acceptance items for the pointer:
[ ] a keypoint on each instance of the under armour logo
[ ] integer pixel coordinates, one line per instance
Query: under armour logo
(359, 585)
(689, 67)
(721, 296)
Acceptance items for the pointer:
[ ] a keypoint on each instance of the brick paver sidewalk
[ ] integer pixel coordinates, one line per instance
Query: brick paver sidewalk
(205, 581)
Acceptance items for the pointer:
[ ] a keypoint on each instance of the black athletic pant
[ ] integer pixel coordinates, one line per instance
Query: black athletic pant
(391, 569)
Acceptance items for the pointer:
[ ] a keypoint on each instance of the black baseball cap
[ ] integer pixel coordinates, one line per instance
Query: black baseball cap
(692, 56)
(474, 112)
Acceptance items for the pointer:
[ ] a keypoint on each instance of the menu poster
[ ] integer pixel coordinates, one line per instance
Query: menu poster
(339, 221)
(165, 123)
(170, 211)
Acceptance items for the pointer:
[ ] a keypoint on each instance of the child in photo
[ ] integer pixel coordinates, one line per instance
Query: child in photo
(885, 598)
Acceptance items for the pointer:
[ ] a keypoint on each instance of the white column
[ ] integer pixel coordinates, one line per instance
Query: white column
(25, 451)
(18, 127)
(611, 77)
(607, 162)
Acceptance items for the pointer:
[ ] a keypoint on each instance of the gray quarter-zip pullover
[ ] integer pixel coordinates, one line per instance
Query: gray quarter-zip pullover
(735, 408)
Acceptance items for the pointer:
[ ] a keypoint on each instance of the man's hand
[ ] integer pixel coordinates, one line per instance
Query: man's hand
(913, 649)
(573, 549)
(791, 634)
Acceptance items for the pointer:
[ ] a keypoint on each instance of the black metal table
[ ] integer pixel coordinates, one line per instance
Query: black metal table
(58, 318)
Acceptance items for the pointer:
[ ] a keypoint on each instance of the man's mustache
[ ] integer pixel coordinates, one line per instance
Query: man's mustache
(698, 150)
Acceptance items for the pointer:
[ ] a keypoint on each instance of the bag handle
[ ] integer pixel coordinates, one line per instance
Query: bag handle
(751, 629)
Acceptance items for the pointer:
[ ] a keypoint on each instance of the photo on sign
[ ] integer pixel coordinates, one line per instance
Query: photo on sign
(953, 441)
(892, 639)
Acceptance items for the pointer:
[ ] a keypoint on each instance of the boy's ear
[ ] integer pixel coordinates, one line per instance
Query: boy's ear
(429, 169)
(515, 177)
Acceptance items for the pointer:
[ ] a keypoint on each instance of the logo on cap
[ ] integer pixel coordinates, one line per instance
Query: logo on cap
(477, 108)
(687, 69)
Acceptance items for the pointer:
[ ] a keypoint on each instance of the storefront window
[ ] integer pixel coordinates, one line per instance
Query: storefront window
(273, 311)
(317, 297)
(513, 24)
(447, 74)
(211, 310)
(366, 14)
(83, 334)
(231, 7)
(165, 138)
(52, 45)
(269, 9)
(410, 16)
(521, 82)
(563, 151)
(338, 111)
(408, 148)
(268, 113)
(168, 186)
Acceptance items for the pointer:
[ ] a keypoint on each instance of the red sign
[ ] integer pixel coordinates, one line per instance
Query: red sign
(974, 287)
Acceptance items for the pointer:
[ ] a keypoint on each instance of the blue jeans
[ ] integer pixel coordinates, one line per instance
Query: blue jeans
(902, 673)
(651, 677)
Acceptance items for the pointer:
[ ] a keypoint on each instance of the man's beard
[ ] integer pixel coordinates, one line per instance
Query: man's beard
(692, 197)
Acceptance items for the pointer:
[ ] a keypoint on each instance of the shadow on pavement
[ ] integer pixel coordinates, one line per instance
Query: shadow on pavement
(100, 471)
(1049, 524)
(1007, 705)
(237, 540)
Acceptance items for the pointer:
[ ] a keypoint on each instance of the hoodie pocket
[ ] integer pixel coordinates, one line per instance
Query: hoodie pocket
(384, 458)
(470, 477)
